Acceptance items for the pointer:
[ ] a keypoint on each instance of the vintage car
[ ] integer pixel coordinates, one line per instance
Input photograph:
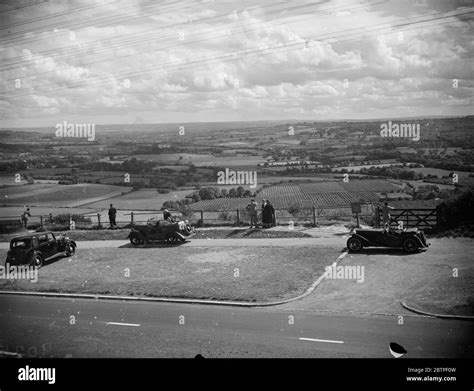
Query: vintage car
(410, 240)
(36, 248)
(171, 231)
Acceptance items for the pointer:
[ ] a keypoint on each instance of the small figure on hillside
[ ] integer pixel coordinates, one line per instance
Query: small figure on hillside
(252, 211)
(24, 218)
(112, 215)
(268, 214)
(386, 216)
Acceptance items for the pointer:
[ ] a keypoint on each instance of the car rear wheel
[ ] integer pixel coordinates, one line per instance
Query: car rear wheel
(70, 250)
(135, 240)
(37, 261)
(410, 245)
(354, 244)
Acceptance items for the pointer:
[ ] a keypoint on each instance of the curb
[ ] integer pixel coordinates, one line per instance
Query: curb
(442, 316)
(308, 291)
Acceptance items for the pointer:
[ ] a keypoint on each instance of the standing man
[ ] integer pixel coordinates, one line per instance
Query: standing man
(252, 211)
(24, 219)
(386, 216)
(112, 214)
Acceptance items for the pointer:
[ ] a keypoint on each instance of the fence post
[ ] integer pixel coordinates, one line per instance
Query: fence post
(238, 217)
(98, 219)
(314, 216)
(438, 217)
(131, 219)
(407, 220)
(202, 218)
(41, 222)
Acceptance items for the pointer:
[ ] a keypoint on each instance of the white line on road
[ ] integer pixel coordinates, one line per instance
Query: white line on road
(342, 255)
(124, 324)
(320, 340)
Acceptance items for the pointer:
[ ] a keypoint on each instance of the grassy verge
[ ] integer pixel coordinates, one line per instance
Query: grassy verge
(238, 274)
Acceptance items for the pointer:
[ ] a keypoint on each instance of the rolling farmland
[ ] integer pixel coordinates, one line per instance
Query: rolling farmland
(306, 195)
(59, 195)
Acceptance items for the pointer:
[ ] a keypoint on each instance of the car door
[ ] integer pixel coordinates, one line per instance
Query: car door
(391, 239)
(52, 245)
(44, 245)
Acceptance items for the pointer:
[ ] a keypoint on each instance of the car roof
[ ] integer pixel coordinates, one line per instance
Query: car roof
(31, 235)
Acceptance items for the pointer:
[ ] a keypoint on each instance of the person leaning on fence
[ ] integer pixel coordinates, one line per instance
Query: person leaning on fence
(112, 215)
(252, 211)
(167, 215)
(386, 216)
(24, 219)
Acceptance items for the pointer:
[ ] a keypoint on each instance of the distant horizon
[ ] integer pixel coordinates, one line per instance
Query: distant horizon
(257, 121)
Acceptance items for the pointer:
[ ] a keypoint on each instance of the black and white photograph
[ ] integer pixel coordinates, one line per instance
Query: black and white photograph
(207, 181)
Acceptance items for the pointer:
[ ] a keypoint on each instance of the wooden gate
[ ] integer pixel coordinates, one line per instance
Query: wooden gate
(426, 219)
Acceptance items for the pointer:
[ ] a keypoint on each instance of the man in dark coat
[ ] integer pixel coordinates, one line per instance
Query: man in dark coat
(112, 215)
(268, 214)
(24, 218)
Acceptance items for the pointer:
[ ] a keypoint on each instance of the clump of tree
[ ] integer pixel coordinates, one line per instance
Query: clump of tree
(211, 193)
(457, 210)
(181, 206)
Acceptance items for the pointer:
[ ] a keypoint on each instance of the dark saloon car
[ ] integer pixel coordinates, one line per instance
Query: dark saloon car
(171, 231)
(410, 240)
(36, 248)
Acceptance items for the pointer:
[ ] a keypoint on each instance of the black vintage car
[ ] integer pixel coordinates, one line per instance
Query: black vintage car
(36, 248)
(410, 240)
(171, 231)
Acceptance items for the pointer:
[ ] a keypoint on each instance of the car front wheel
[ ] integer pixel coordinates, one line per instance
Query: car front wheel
(410, 245)
(37, 261)
(70, 250)
(354, 244)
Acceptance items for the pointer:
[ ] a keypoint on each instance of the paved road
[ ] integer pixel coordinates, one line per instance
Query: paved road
(44, 327)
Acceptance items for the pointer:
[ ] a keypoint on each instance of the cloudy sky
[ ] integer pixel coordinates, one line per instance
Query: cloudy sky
(143, 61)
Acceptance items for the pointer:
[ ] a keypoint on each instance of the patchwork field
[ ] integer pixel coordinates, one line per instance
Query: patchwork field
(202, 159)
(59, 195)
(143, 199)
(306, 195)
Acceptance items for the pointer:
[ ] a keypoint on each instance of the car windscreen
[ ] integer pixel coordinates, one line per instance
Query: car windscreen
(21, 243)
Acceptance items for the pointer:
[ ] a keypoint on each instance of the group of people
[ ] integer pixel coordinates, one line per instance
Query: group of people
(268, 213)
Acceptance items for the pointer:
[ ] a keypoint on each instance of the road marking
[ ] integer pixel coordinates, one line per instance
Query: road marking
(320, 340)
(124, 324)
(342, 255)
